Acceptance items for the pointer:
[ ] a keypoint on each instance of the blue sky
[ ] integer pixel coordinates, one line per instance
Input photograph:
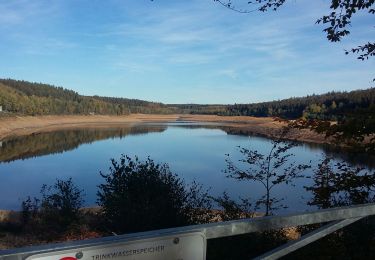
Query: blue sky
(178, 51)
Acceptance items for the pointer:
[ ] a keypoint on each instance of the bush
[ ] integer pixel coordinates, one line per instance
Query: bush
(56, 212)
(61, 203)
(143, 195)
(232, 210)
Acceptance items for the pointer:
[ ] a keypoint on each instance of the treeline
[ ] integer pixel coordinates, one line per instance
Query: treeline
(332, 106)
(52, 101)
(41, 90)
(200, 109)
(140, 106)
(29, 98)
(335, 106)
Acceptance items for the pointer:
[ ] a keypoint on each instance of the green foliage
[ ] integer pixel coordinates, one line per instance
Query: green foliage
(323, 107)
(353, 111)
(40, 99)
(143, 195)
(29, 98)
(40, 90)
(55, 212)
(348, 118)
(201, 109)
(138, 106)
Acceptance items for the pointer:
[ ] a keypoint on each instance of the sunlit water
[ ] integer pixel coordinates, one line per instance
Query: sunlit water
(194, 152)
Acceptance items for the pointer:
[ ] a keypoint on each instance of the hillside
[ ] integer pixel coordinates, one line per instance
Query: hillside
(331, 106)
(26, 98)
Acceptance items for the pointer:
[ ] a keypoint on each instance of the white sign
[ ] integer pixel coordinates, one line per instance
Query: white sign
(190, 246)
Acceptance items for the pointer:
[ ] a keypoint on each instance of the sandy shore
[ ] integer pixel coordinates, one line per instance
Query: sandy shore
(264, 126)
(18, 126)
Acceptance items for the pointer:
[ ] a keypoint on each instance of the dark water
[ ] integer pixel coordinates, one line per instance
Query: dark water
(193, 151)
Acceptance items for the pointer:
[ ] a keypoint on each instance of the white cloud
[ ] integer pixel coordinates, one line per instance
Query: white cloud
(198, 43)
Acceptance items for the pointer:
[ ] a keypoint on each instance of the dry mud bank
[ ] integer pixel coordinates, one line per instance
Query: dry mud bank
(17, 126)
(264, 126)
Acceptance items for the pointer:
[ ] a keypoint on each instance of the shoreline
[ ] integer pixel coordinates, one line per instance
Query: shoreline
(263, 126)
(27, 125)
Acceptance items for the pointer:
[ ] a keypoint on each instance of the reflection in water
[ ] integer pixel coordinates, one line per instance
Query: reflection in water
(39, 144)
(195, 151)
(345, 181)
(339, 184)
(358, 159)
(354, 158)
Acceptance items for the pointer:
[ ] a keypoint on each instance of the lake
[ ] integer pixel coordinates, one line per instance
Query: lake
(195, 151)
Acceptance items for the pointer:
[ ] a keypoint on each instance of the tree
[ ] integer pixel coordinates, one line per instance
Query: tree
(337, 21)
(144, 195)
(269, 170)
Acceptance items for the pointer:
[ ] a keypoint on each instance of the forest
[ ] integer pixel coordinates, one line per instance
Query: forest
(333, 106)
(28, 98)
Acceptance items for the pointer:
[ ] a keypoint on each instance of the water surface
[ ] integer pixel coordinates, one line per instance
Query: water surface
(194, 151)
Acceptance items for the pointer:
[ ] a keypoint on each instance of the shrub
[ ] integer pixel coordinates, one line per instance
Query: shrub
(231, 210)
(56, 212)
(143, 195)
(61, 202)
(29, 210)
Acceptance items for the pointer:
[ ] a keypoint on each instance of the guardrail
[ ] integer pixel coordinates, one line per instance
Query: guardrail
(339, 218)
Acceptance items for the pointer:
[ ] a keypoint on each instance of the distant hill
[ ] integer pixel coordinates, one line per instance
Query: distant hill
(330, 106)
(28, 98)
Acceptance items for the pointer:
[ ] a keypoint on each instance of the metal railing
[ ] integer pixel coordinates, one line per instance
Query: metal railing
(339, 218)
